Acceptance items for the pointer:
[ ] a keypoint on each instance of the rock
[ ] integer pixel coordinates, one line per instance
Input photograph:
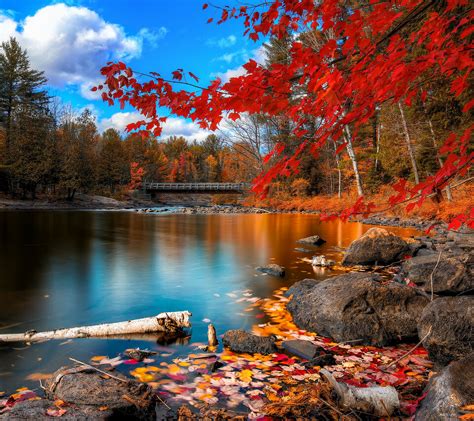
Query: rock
(301, 287)
(322, 261)
(448, 391)
(272, 269)
(322, 361)
(303, 250)
(451, 276)
(303, 349)
(376, 246)
(37, 410)
(244, 342)
(314, 240)
(356, 307)
(88, 388)
(138, 354)
(451, 320)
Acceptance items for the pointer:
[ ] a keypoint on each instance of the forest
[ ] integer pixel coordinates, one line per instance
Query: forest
(52, 150)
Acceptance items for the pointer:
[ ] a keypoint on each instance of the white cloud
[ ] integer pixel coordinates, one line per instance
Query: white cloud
(70, 44)
(152, 36)
(7, 27)
(225, 42)
(258, 55)
(173, 126)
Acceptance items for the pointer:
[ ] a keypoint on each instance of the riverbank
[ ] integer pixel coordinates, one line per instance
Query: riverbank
(80, 202)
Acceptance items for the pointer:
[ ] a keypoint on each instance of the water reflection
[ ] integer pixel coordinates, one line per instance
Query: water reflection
(61, 269)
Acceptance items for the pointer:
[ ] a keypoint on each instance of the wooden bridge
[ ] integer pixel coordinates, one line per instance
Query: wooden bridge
(151, 187)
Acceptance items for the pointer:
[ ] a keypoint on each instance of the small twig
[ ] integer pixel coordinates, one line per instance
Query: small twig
(162, 401)
(431, 276)
(100, 371)
(330, 406)
(411, 350)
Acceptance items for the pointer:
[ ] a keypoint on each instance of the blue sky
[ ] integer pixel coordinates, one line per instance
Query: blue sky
(70, 40)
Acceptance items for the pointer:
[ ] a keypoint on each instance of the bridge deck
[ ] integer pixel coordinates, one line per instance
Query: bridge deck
(202, 187)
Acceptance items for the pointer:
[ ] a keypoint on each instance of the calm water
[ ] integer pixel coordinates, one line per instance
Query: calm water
(63, 269)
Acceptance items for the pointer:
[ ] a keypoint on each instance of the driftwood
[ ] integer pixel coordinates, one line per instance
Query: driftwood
(170, 323)
(211, 335)
(377, 400)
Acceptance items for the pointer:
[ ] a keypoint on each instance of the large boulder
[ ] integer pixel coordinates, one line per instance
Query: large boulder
(446, 274)
(376, 246)
(45, 409)
(244, 342)
(448, 392)
(357, 307)
(446, 326)
(301, 287)
(84, 388)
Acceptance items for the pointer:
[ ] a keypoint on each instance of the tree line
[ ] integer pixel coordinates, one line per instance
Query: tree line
(46, 147)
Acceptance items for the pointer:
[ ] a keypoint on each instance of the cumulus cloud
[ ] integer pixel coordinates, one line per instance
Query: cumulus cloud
(225, 42)
(258, 55)
(172, 127)
(70, 44)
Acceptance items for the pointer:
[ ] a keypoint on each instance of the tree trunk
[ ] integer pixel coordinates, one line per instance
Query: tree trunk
(409, 146)
(163, 322)
(339, 172)
(350, 152)
(436, 146)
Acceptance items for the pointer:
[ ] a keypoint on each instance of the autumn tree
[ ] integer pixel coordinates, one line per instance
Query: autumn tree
(78, 147)
(112, 160)
(364, 62)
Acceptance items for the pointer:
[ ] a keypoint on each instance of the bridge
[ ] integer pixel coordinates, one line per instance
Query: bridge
(151, 187)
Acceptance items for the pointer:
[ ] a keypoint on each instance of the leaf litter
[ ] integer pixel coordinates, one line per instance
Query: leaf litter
(268, 385)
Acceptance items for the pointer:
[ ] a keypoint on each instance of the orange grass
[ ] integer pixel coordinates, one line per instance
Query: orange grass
(463, 200)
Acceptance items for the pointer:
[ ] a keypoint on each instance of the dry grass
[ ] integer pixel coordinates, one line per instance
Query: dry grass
(430, 210)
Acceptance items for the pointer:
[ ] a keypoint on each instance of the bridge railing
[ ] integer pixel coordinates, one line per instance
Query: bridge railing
(195, 186)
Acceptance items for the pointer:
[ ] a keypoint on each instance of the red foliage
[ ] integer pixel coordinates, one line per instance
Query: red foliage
(136, 176)
(362, 62)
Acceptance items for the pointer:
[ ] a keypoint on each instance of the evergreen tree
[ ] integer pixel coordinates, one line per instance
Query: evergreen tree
(20, 86)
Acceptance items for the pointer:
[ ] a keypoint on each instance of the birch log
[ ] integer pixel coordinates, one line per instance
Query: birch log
(381, 401)
(163, 323)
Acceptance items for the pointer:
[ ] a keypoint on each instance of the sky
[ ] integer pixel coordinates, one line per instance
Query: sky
(70, 40)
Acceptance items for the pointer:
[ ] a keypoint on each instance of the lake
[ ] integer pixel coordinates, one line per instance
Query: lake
(72, 268)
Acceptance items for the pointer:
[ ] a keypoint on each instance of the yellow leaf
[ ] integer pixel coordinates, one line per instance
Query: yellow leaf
(39, 376)
(174, 369)
(98, 358)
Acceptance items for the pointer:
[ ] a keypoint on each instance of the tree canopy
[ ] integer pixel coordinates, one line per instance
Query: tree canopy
(346, 59)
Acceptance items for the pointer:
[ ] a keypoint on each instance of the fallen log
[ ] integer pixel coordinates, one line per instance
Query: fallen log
(381, 401)
(169, 323)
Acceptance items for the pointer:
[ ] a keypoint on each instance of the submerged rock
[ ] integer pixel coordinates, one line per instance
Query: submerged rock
(449, 274)
(451, 320)
(314, 240)
(448, 392)
(376, 246)
(356, 307)
(244, 342)
(272, 269)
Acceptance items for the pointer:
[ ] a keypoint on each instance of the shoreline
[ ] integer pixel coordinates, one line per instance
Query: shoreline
(102, 203)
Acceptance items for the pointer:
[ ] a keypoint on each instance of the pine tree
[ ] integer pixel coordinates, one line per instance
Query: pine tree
(20, 87)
